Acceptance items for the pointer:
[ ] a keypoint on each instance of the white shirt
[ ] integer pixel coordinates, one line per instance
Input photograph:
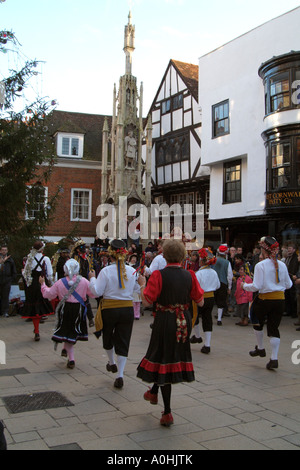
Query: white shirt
(107, 284)
(264, 279)
(49, 270)
(208, 279)
(158, 263)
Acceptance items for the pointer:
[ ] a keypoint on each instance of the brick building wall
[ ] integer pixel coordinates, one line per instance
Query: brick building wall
(67, 178)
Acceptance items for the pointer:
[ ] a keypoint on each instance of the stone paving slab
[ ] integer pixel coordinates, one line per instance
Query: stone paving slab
(234, 403)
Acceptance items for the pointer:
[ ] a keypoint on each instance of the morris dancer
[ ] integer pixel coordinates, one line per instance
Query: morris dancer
(271, 279)
(209, 282)
(158, 262)
(168, 359)
(224, 271)
(72, 292)
(117, 284)
(86, 266)
(36, 307)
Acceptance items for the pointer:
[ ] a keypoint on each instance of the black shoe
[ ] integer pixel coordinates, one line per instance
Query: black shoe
(119, 382)
(205, 350)
(64, 353)
(111, 368)
(71, 364)
(273, 364)
(219, 323)
(195, 340)
(258, 352)
(37, 337)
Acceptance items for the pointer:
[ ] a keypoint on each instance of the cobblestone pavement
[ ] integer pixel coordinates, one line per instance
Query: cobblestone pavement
(234, 403)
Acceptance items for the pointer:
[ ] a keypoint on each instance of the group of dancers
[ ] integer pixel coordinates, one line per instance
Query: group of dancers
(180, 298)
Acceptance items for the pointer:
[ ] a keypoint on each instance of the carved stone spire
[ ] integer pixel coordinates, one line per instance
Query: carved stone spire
(129, 37)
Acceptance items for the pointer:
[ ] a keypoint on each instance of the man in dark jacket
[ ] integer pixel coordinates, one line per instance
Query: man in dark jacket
(292, 264)
(3, 445)
(7, 276)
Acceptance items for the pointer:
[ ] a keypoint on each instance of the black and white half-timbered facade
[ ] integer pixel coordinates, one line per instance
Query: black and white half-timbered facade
(177, 174)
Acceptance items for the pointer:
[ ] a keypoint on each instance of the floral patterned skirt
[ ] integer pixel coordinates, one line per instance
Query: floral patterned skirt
(168, 358)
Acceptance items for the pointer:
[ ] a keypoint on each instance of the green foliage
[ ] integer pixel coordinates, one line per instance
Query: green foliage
(27, 156)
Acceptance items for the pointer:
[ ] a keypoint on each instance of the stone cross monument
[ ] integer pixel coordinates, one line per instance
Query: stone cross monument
(127, 174)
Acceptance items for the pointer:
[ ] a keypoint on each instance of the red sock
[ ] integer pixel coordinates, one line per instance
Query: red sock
(36, 324)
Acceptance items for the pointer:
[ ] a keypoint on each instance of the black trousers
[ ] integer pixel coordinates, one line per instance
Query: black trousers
(291, 302)
(272, 311)
(221, 296)
(205, 313)
(117, 329)
(4, 297)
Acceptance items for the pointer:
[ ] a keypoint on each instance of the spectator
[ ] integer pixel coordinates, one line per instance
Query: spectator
(150, 248)
(3, 445)
(296, 279)
(8, 274)
(292, 264)
(64, 255)
(195, 263)
(243, 298)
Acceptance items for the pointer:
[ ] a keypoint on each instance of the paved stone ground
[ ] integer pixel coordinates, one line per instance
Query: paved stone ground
(235, 403)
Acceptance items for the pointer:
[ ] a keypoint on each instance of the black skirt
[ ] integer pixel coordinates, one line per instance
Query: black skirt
(35, 304)
(72, 325)
(167, 361)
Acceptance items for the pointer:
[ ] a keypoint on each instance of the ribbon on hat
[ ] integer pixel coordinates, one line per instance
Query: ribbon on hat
(120, 275)
(272, 252)
(119, 254)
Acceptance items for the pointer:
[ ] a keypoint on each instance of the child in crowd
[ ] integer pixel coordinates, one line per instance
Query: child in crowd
(243, 298)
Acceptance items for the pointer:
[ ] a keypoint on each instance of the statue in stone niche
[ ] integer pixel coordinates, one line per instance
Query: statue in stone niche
(130, 150)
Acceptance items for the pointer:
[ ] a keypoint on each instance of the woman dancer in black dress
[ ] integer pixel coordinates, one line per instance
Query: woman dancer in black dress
(36, 307)
(168, 359)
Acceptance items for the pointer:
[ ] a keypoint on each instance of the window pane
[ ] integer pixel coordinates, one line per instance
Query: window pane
(221, 119)
(75, 146)
(177, 101)
(281, 167)
(232, 192)
(226, 109)
(279, 83)
(36, 200)
(65, 145)
(280, 91)
(81, 202)
(166, 106)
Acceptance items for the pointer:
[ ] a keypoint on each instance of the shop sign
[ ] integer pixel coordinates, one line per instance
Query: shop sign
(282, 199)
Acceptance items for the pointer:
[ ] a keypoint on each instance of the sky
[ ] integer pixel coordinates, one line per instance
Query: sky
(80, 43)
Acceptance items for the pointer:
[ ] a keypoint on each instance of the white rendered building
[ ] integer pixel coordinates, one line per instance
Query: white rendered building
(251, 131)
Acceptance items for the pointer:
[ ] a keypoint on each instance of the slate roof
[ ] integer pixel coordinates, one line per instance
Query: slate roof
(189, 74)
(91, 125)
